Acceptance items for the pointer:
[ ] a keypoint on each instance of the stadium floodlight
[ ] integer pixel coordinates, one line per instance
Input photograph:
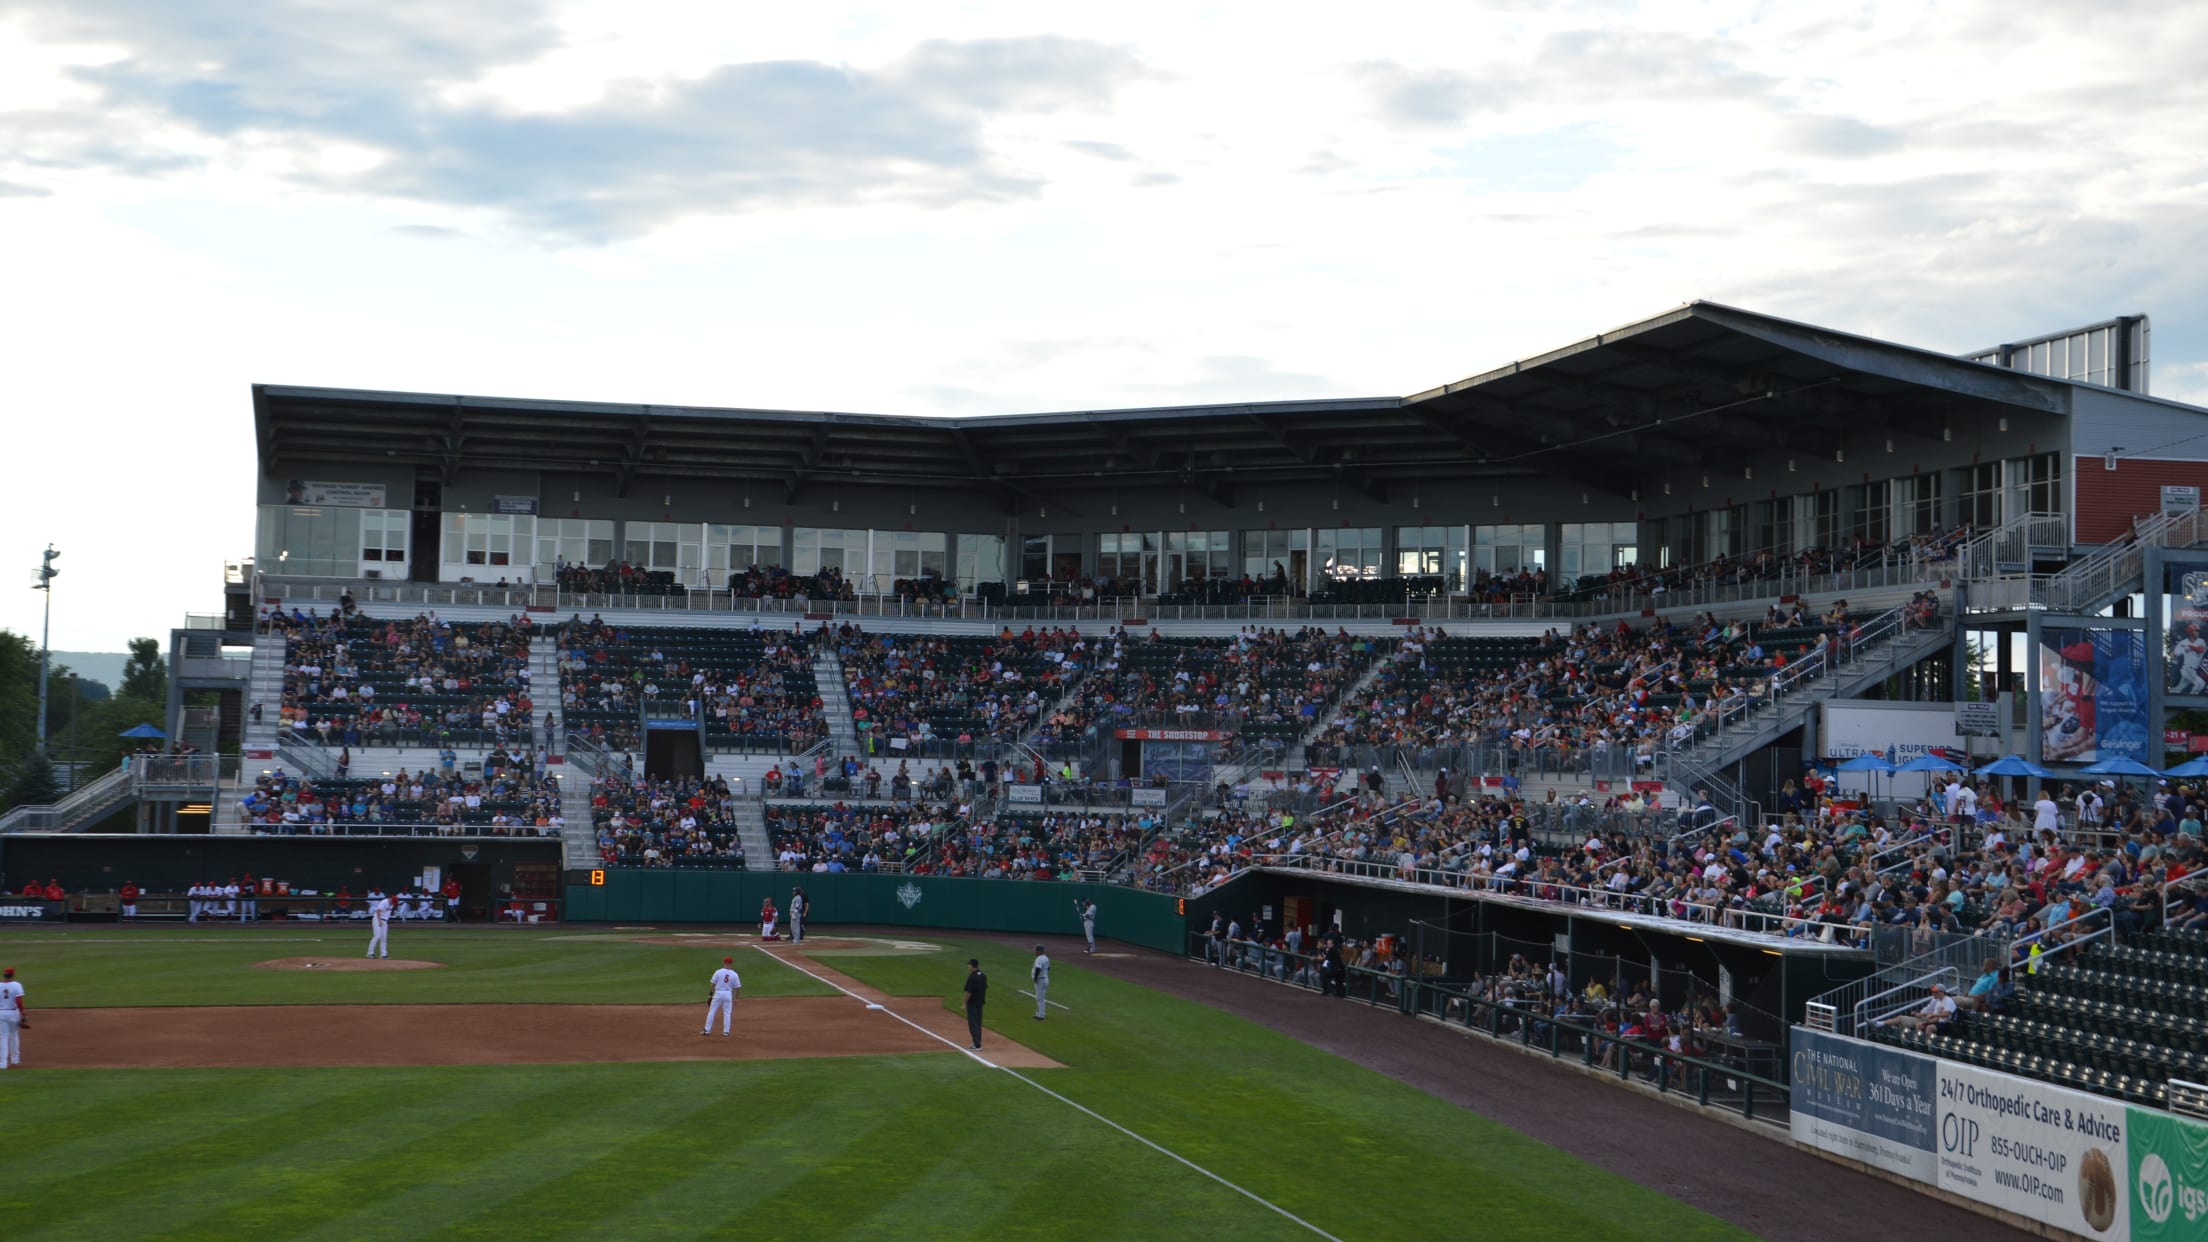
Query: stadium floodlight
(46, 575)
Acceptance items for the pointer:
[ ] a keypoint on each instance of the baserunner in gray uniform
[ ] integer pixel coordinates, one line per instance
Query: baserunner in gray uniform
(1041, 973)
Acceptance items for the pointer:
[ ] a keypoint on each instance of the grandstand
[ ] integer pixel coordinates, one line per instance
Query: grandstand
(1566, 648)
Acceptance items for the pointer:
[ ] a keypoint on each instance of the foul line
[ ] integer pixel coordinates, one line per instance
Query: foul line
(1031, 996)
(1167, 1152)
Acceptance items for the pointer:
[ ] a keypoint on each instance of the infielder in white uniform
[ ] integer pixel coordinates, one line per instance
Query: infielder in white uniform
(1041, 974)
(14, 1019)
(726, 984)
(379, 926)
(1088, 921)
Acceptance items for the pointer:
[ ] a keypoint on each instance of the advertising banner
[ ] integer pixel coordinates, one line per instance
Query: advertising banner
(1147, 797)
(335, 495)
(2169, 1176)
(2093, 695)
(1865, 1102)
(514, 504)
(2044, 1152)
(1024, 795)
(2185, 627)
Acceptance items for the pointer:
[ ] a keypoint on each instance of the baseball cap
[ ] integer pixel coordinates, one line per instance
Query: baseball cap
(728, 961)
(973, 961)
(1038, 948)
(8, 973)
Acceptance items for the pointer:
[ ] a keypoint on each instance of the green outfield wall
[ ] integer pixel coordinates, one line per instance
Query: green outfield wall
(1028, 907)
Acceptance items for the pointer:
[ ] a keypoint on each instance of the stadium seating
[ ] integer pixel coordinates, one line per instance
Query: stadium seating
(354, 681)
(754, 688)
(930, 689)
(637, 822)
(510, 801)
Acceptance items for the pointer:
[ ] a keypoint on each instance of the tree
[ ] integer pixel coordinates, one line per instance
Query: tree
(35, 784)
(146, 674)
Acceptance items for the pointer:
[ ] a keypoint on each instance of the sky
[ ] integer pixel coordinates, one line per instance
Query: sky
(975, 208)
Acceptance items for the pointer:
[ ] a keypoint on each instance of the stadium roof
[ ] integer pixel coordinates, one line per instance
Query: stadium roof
(1702, 385)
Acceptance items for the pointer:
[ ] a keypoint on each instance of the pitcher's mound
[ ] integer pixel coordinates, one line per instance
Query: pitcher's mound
(346, 963)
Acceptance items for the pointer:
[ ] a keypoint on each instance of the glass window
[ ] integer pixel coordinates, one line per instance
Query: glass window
(1980, 498)
(980, 559)
(819, 548)
(905, 555)
(1282, 557)
(313, 540)
(1349, 552)
(1510, 549)
(1035, 558)
(1870, 512)
(1917, 506)
(1194, 555)
(489, 541)
(1592, 549)
(1433, 551)
(383, 534)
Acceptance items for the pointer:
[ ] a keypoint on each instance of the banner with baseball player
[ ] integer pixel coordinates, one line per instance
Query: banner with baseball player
(2185, 629)
(2093, 695)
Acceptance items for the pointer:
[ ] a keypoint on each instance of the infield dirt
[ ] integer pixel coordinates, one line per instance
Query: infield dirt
(246, 1036)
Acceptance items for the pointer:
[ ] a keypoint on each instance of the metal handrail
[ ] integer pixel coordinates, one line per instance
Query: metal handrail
(1943, 974)
(1520, 886)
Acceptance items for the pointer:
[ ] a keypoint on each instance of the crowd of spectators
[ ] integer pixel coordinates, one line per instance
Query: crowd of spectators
(644, 822)
(353, 681)
(752, 686)
(1571, 701)
(925, 688)
(948, 838)
(1629, 582)
(1260, 677)
(509, 799)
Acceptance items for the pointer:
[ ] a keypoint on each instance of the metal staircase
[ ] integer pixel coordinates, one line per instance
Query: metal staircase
(1748, 723)
(83, 807)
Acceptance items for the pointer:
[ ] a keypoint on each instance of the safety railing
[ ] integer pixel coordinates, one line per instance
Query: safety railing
(81, 802)
(151, 773)
(1897, 573)
(1677, 910)
(1868, 1011)
(1713, 1083)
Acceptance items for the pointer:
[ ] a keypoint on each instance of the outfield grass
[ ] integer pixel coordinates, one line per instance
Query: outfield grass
(912, 1147)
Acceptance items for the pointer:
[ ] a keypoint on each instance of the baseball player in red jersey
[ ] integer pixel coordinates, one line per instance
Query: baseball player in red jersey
(130, 899)
(14, 1018)
(768, 917)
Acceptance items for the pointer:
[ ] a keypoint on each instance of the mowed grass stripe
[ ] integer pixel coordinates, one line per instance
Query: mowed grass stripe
(910, 1147)
(1284, 1120)
(481, 966)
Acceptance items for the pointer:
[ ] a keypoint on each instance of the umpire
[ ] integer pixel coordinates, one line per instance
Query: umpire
(977, 995)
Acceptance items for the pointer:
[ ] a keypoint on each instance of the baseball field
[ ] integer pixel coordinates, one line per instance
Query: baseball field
(187, 1082)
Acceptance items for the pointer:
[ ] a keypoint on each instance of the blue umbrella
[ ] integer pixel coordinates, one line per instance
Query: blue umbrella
(144, 730)
(2191, 767)
(2120, 767)
(1930, 763)
(2013, 765)
(1866, 763)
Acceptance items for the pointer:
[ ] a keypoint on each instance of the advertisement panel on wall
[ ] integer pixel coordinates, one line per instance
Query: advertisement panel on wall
(2093, 695)
(1898, 731)
(334, 495)
(2048, 1153)
(2185, 627)
(1865, 1102)
(2169, 1176)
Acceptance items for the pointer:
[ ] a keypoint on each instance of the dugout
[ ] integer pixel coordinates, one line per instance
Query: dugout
(1462, 935)
(491, 870)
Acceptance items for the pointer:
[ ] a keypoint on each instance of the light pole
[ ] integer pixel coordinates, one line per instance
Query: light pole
(46, 572)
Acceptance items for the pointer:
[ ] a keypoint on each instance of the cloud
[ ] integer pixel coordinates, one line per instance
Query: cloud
(426, 232)
(10, 189)
(647, 153)
(1571, 67)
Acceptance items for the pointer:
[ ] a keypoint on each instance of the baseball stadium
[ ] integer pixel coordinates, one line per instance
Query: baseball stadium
(1721, 777)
